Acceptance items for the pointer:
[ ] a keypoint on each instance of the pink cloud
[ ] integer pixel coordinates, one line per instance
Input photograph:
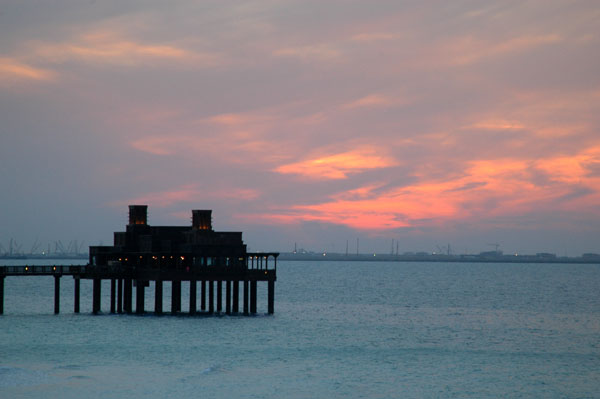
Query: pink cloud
(338, 166)
(107, 47)
(374, 100)
(497, 124)
(486, 188)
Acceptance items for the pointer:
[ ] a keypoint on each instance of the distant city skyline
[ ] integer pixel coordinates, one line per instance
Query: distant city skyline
(317, 123)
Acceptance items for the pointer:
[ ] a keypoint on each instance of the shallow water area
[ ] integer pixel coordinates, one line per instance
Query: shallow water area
(340, 329)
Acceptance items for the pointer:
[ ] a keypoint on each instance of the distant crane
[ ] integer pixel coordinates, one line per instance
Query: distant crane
(14, 248)
(444, 249)
(75, 247)
(59, 248)
(394, 250)
(36, 245)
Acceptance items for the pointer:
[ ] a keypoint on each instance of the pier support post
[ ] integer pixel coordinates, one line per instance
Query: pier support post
(120, 296)
(193, 295)
(271, 295)
(211, 297)
(175, 296)
(127, 295)
(246, 297)
(253, 296)
(77, 283)
(236, 296)
(139, 297)
(113, 291)
(228, 297)
(158, 297)
(203, 295)
(97, 287)
(56, 294)
(2, 294)
(219, 295)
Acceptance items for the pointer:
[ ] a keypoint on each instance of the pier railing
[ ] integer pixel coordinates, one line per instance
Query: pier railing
(260, 261)
(266, 261)
(42, 270)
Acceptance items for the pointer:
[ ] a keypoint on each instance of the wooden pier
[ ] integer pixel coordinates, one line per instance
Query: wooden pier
(123, 283)
(144, 253)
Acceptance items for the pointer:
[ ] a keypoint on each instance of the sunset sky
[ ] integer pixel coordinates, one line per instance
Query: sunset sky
(431, 123)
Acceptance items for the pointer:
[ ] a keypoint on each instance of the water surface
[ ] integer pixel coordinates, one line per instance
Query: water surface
(352, 330)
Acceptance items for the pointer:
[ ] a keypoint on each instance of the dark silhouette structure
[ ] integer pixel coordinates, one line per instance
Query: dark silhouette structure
(144, 253)
(143, 246)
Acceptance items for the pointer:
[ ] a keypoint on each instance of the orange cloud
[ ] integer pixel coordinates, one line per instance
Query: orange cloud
(242, 120)
(373, 100)
(497, 124)
(12, 69)
(108, 47)
(337, 166)
(573, 169)
(485, 189)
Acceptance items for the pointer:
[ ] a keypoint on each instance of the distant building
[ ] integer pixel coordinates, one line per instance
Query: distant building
(491, 253)
(545, 255)
(590, 255)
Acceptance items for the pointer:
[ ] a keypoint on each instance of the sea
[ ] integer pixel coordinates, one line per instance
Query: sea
(340, 330)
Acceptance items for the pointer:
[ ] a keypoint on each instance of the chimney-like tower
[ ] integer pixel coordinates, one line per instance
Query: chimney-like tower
(202, 219)
(138, 214)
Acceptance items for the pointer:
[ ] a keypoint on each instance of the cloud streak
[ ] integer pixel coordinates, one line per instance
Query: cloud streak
(487, 188)
(338, 166)
(105, 47)
(12, 70)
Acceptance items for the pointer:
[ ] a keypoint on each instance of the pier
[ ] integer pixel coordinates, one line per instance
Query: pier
(196, 255)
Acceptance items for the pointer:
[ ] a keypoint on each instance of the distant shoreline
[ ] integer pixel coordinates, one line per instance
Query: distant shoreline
(438, 258)
(422, 257)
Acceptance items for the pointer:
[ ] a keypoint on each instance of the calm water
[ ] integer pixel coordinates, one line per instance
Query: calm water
(351, 330)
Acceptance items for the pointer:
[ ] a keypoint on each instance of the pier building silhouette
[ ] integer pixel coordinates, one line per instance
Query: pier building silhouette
(195, 254)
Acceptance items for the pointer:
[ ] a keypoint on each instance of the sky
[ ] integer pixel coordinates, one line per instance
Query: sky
(472, 124)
